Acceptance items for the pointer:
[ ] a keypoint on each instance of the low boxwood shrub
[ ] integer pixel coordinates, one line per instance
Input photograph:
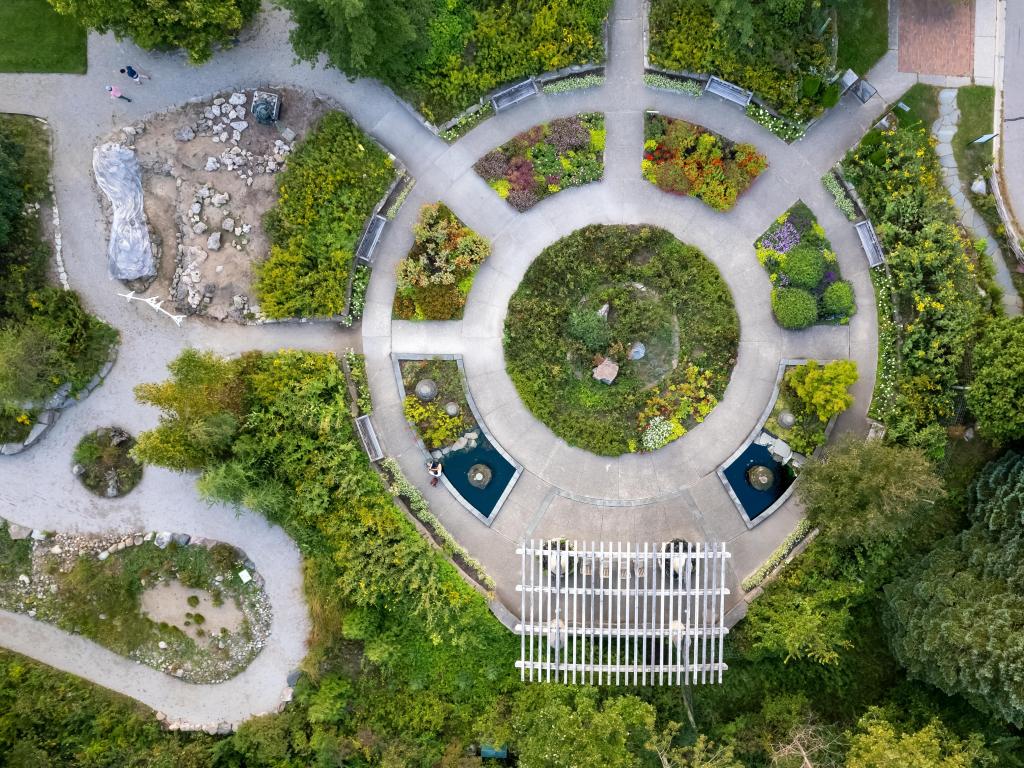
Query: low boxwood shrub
(805, 266)
(794, 308)
(838, 299)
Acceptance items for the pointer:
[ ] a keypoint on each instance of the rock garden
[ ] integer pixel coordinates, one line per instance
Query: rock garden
(437, 275)
(621, 338)
(807, 286)
(688, 159)
(193, 608)
(211, 172)
(104, 464)
(544, 160)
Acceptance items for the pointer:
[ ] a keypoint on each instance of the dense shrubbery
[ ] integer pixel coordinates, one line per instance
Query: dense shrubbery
(933, 266)
(774, 48)
(658, 292)
(436, 276)
(196, 26)
(812, 394)
(443, 56)
(807, 286)
(997, 394)
(46, 338)
(329, 189)
(686, 159)
(566, 152)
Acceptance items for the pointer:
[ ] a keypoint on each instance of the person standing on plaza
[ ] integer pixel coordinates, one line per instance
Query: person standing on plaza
(115, 93)
(134, 74)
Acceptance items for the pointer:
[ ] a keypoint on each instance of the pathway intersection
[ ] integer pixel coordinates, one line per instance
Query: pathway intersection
(563, 492)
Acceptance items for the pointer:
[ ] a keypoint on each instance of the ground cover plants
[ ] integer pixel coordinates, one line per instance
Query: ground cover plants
(688, 159)
(807, 286)
(778, 50)
(937, 309)
(104, 464)
(47, 339)
(812, 394)
(35, 38)
(333, 181)
(180, 609)
(437, 427)
(593, 295)
(436, 276)
(863, 33)
(566, 152)
(444, 56)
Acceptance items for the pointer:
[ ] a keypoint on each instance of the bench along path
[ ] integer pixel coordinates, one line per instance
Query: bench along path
(612, 499)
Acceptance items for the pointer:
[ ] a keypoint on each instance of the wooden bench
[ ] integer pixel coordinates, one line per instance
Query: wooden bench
(514, 94)
(369, 437)
(728, 91)
(869, 242)
(368, 243)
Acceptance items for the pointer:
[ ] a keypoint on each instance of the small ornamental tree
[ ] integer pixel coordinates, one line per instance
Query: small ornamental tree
(997, 393)
(868, 493)
(877, 743)
(822, 389)
(194, 26)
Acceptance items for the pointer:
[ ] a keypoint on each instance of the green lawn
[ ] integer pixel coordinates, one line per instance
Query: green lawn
(923, 101)
(863, 33)
(35, 38)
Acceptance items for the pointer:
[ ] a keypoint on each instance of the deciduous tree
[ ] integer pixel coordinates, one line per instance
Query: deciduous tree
(996, 396)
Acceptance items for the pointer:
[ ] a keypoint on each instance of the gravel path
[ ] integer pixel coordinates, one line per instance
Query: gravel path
(944, 130)
(561, 493)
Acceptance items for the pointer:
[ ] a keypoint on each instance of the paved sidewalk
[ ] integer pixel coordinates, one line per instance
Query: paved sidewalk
(1012, 129)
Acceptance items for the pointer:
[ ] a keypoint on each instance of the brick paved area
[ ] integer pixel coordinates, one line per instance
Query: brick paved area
(937, 37)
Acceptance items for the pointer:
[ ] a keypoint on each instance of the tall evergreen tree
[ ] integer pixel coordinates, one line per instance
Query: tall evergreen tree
(955, 619)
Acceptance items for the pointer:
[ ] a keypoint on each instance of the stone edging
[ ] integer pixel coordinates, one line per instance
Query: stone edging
(60, 400)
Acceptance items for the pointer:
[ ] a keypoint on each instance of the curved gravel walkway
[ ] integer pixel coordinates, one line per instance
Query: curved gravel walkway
(563, 492)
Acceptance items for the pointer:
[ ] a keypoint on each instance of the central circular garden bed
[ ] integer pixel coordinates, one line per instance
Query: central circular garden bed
(621, 338)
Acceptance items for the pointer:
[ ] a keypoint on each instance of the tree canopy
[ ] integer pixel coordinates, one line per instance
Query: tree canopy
(955, 617)
(194, 26)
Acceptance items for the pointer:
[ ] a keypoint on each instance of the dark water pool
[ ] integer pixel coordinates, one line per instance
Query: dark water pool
(754, 501)
(456, 469)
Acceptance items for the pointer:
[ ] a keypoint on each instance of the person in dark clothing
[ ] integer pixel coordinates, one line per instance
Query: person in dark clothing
(134, 74)
(435, 469)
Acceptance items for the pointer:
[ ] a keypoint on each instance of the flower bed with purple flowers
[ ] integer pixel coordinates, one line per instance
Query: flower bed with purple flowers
(807, 287)
(566, 152)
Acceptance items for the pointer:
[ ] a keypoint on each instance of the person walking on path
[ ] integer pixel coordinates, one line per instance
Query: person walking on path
(115, 93)
(435, 469)
(134, 74)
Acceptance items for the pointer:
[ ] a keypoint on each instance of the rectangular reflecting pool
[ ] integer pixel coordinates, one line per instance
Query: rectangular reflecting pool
(457, 466)
(767, 487)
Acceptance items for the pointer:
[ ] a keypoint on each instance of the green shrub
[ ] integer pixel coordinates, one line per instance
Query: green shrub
(831, 96)
(804, 265)
(810, 86)
(333, 181)
(794, 308)
(838, 299)
(590, 328)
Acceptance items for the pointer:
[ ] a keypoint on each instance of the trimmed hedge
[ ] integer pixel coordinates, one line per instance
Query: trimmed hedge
(794, 308)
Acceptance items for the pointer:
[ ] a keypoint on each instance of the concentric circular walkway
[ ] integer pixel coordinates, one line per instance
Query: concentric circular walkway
(564, 491)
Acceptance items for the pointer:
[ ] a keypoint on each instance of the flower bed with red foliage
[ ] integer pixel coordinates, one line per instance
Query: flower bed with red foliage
(688, 159)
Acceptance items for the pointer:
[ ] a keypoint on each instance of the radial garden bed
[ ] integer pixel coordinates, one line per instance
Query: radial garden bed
(567, 152)
(807, 287)
(687, 159)
(435, 278)
(630, 305)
